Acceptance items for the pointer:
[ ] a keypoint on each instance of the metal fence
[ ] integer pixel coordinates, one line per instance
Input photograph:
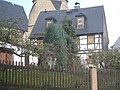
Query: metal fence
(19, 77)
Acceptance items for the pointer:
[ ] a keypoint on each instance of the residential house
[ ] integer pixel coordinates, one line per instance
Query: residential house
(13, 12)
(116, 45)
(90, 24)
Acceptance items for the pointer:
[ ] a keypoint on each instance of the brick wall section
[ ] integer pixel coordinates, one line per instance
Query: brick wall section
(6, 57)
(93, 78)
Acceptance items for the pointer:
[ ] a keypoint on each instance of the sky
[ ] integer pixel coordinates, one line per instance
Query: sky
(112, 13)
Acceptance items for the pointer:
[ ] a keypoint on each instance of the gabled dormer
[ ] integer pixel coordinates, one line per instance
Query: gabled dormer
(81, 21)
(50, 20)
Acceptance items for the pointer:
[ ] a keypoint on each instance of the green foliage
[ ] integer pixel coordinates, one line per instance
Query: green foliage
(55, 34)
(71, 45)
(56, 37)
(111, 58)
(70, 35)
(9, 32)
(62, 40)
(70, 38)
(67, 26)
(10, 35)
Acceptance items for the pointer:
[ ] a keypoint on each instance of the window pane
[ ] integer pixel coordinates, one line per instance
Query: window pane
(80, 22)
(83, 37)
(48, 22)
(98, 46)
(97, 40)
(40, 43)
(83, 47)
(91, 39)
(90, 46)
(84, 41)
(97, 35)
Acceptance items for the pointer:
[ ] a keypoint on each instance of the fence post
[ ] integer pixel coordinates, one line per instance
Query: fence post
(93, 78)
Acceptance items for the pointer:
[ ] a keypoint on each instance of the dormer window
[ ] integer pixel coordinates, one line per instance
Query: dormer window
(80, 21)
(50, 20)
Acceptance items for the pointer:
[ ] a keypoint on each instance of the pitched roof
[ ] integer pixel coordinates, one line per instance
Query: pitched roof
(117, 44)
(13, 11)
(57, 4)
(94, 18)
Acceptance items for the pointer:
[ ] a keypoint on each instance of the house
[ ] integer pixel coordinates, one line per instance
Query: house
(13, 12)
(116, 45)
(89, 22)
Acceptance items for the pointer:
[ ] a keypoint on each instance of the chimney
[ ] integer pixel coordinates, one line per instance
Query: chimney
(77, 5)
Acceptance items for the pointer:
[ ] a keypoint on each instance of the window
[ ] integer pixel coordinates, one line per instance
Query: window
(83, 42)
(48, 22)
(91, 39)
(40, 43)
(80, 22)
(91, 46)
(90, 42)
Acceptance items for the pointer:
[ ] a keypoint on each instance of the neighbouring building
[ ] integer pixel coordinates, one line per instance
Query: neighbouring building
(90, 24)
(10, 11)
(116, 45)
